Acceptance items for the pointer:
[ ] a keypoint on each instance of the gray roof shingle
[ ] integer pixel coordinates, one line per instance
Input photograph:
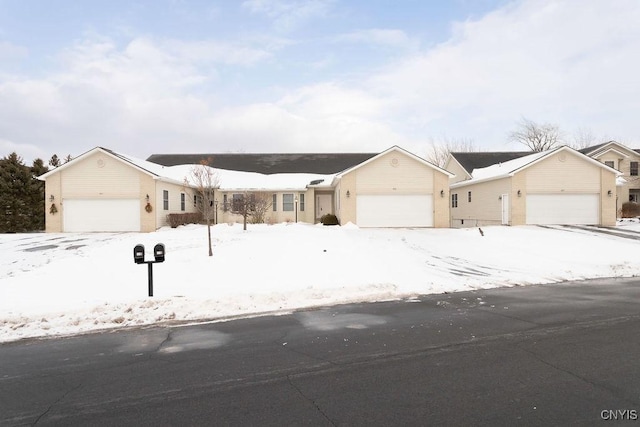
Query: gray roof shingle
(269, 163)
(475, 160)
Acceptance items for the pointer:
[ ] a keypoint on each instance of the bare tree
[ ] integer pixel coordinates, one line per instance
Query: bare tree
(251, 205)
(438, 151)
(538, 137)
(205, 180)
(583, 138)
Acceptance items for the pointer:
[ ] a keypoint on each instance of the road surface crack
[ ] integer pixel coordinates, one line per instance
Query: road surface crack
(313, 402)
(55, 403)
(577, 376)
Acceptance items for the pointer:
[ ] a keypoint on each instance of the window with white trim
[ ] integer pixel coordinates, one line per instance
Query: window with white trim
(183, 201)
(165, 200)
(454, 200)
(633, 168)
(287, 202)
(301, 203)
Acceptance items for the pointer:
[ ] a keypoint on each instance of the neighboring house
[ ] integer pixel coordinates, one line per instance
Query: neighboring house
(559, 186)
(102, 190)
(625, 160)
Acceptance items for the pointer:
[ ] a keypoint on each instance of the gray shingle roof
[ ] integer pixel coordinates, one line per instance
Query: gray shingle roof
(475, 160)
(269, 163)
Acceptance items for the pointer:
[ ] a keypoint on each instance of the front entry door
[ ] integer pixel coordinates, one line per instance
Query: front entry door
(323, 205)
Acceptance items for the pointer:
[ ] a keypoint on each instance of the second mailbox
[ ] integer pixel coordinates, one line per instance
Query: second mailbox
(158, 252)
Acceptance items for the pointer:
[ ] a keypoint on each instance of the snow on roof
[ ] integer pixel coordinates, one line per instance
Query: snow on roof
(233, 180)
(504, 169)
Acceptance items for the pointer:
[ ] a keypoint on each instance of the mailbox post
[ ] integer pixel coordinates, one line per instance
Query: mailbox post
(138, 258)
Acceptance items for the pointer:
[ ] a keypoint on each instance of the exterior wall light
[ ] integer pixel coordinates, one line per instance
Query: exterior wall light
(441, 193)
(348, 193)
(609, 193)
(519, 193)
(147, 198)
(51, 198)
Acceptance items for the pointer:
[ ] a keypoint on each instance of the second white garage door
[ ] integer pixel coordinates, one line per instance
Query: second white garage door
(394, 210)
(81, 215)
(563, 209)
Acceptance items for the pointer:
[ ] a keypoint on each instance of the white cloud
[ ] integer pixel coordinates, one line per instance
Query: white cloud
(379, 37)
(288, 14)
(572, 63)
(552, 61)
(9, 51)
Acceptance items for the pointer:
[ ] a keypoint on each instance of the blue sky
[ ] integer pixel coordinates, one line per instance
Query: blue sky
(144, 77)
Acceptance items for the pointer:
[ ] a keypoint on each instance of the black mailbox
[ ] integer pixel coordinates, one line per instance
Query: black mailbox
(158, 252)
(138, 254)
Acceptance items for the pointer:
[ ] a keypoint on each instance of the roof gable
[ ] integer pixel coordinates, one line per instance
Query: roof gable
(598, 150)
(402, 151)
(141, 165)
(511, 167)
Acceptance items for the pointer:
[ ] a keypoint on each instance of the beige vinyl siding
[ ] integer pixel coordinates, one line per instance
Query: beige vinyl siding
(383, 176)
(608, 207)
(454, 167)
(52, 187)
(563, 172)
(485, 207)
(100, 176)
(174, 202)
(271, 216)
(347, 211)
(441, 202)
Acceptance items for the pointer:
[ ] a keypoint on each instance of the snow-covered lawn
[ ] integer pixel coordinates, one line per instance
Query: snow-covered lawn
(54, 284)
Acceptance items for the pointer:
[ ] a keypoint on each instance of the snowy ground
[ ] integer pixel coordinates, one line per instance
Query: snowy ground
(53, 284)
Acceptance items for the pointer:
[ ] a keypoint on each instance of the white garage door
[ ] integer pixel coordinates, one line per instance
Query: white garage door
(563, 209)
(101, 215)
(394, 210)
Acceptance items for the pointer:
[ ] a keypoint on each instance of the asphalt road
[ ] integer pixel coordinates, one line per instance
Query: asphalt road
(536, 355)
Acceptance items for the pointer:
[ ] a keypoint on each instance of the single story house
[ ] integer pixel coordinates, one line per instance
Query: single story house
(559, 186)
(102, 190)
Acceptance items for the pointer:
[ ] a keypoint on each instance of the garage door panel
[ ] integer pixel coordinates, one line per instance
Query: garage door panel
(394, 210)
(563, 209)
(86, 215)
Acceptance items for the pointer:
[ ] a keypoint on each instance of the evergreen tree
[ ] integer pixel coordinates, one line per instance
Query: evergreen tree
(22, 206)
(37, 195)
(55, 161)
(15, 185)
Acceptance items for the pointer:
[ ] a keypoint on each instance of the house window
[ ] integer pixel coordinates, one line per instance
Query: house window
(238, 201)
(287, 202)
(454, 200)
(225, 206)
(469, 196)
(633, 170)
(195, 200)
(165, 200)
(301, 202)
(274, 202)
(609, 163)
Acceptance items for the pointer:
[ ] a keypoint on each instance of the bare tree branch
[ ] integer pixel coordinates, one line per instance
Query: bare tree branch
(538, 137)
(253, 205)
(205, 180)
(439, 151)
